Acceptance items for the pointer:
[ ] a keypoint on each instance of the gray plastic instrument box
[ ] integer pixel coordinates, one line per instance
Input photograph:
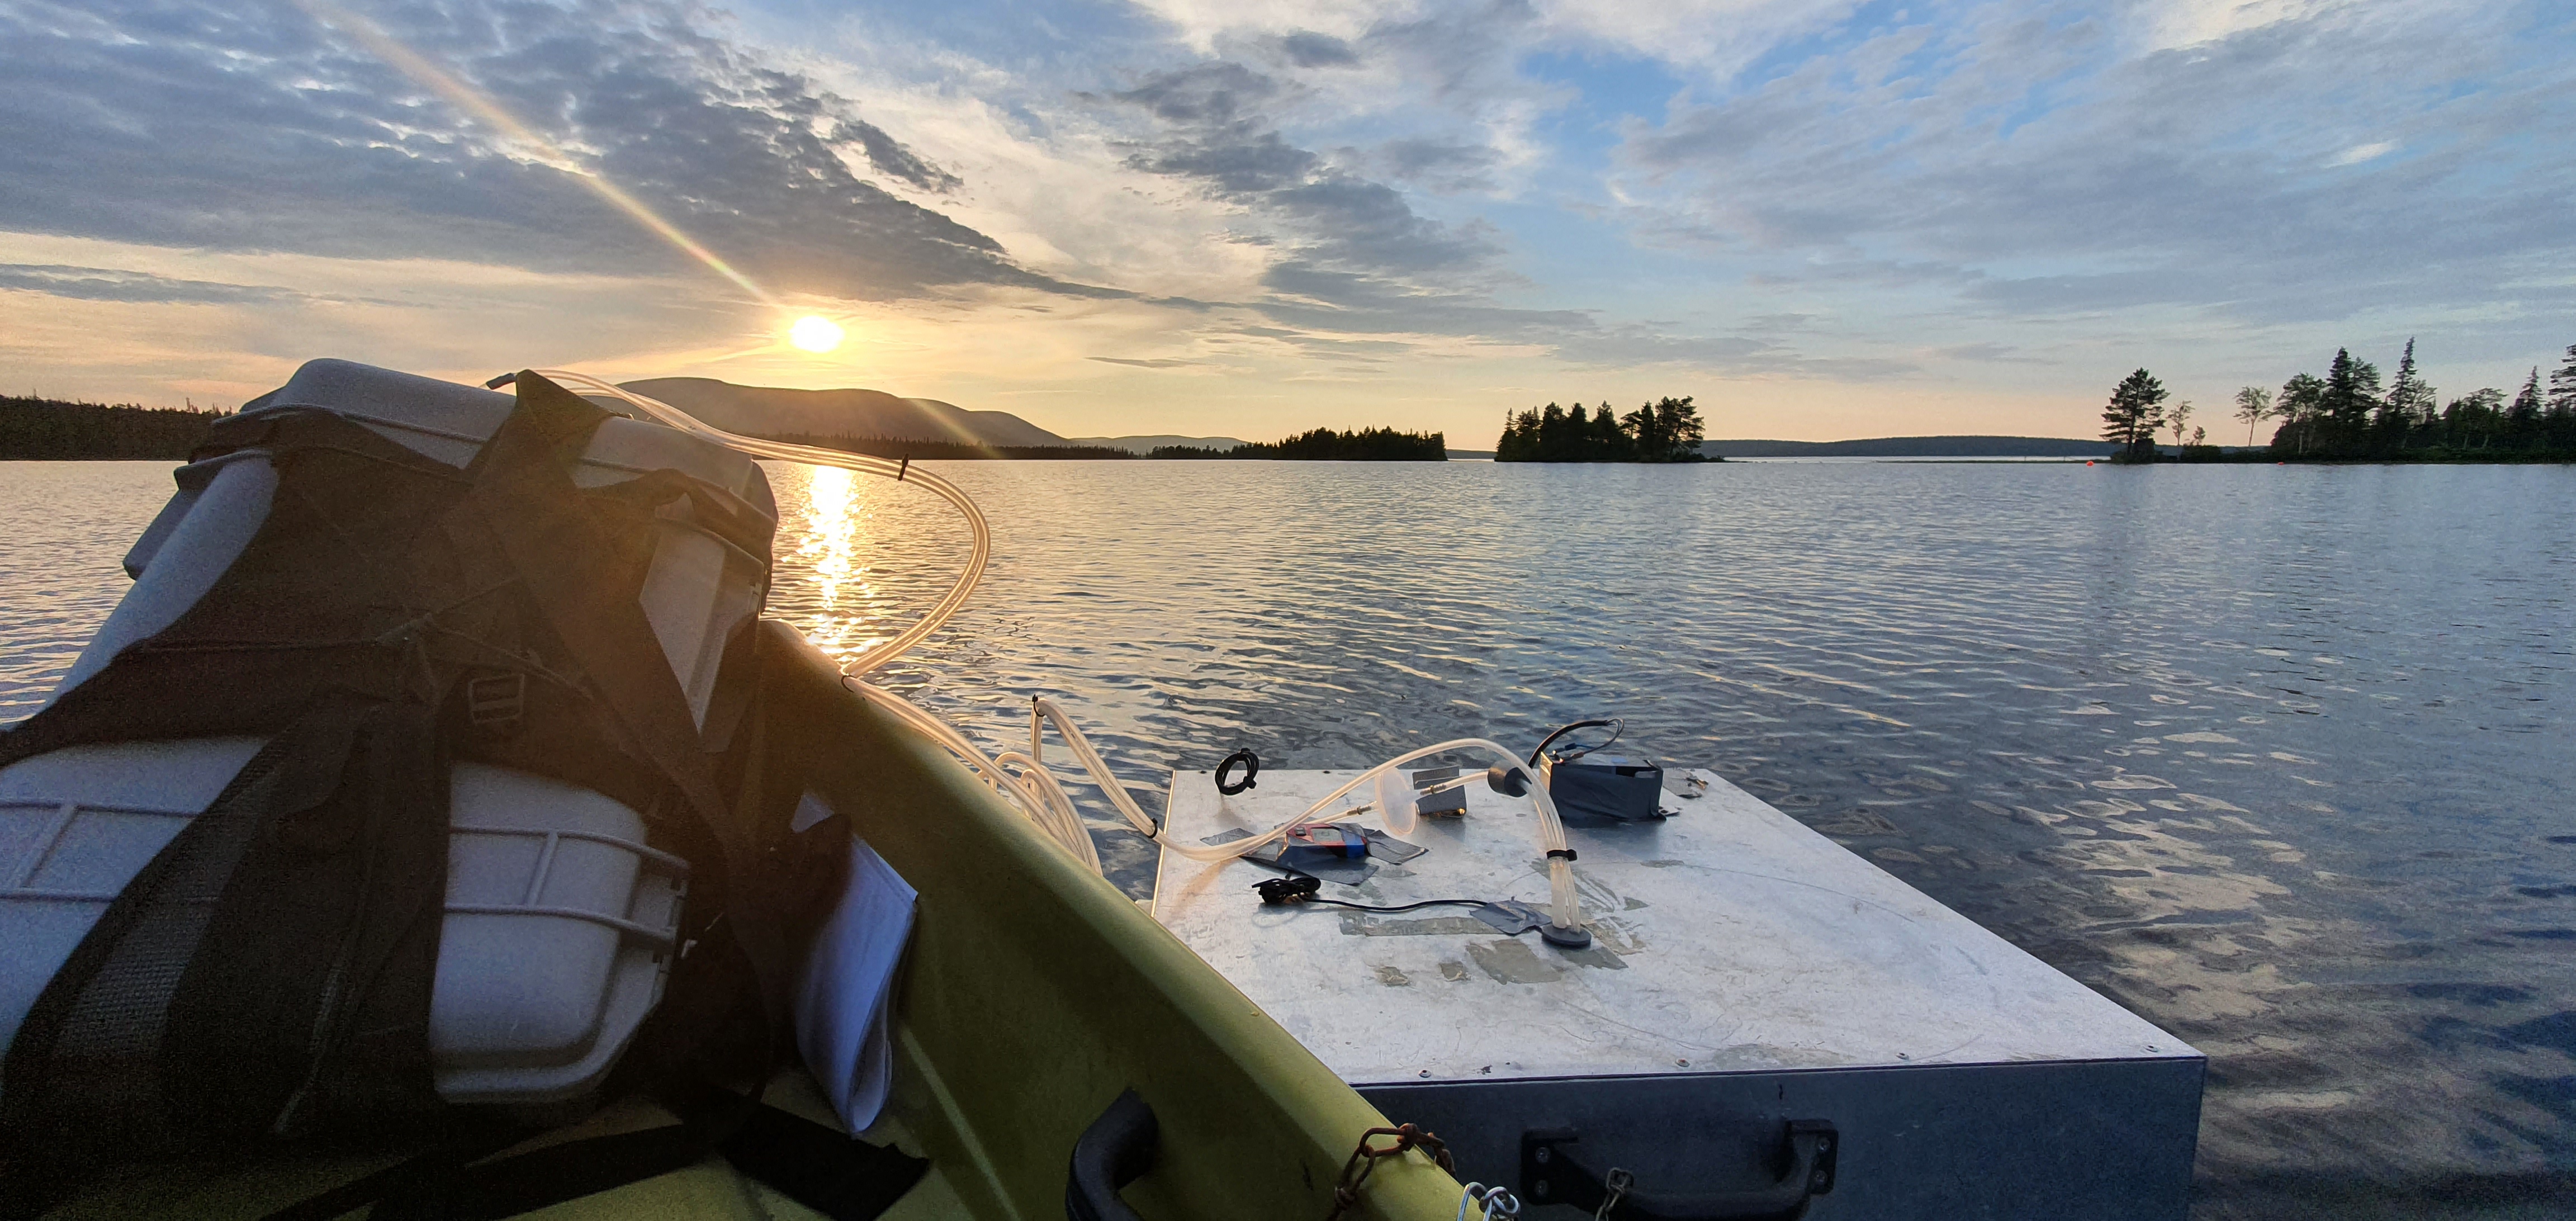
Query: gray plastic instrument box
(1746, 974)
(560, 918)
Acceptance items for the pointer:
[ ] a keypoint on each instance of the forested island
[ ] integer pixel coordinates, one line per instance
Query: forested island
(52, 429)
(1666, 430)
(1315, 445)
(2348, 415)
(1328, 445)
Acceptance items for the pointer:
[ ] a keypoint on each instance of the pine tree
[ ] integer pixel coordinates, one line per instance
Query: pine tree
(2410, 401)
(1609, 442)
(1645, 431)
(1679, 430)
(1519, 442)
(1554, 443)
(2562, 387)
(2351, 398)
(2522, 420)
(2131, 418)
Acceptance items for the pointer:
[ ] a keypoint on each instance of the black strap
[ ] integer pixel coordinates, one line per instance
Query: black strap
(308, 998)
(817, 1166)
(470, 1143)
(821, 1167)
(581, 583)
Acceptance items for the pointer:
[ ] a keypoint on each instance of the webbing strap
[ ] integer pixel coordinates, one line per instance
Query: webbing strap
(816, 1166)
(579, 580)
(309, 995)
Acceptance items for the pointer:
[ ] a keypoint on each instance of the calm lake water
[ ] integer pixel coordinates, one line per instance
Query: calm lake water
(2275, 756)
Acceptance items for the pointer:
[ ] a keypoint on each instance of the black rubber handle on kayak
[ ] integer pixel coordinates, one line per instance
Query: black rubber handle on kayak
(1117, 1149)
(1550, 1174)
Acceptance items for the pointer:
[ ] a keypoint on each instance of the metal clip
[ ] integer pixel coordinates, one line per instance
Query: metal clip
(1617, 1183)
(1494, 1203)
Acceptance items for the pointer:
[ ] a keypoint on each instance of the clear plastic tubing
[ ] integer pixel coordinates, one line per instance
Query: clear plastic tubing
(1033, 788)
(982, 551)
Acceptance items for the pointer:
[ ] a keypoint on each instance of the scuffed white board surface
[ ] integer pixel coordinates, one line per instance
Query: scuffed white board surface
(1728, 938)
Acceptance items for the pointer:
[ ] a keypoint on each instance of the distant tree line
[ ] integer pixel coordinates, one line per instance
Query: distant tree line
(1666, 430)
(41, 428)
(1327, 445)
(2351, 414)
(928, 451)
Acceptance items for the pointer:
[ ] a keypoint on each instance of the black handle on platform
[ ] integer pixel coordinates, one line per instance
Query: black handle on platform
(1251, 768)
(1551, 1175)
(1117, 1149)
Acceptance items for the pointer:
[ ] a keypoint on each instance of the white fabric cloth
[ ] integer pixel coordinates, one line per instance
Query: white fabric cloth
(843, 1002)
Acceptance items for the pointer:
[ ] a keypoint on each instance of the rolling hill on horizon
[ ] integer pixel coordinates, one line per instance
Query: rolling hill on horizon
(768, 411)
(1147, 443)
(857, 412)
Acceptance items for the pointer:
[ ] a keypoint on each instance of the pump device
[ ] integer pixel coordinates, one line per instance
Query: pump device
(1588, 784)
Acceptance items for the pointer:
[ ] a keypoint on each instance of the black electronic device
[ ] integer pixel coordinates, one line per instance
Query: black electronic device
(1588, 785)
(1625, 788)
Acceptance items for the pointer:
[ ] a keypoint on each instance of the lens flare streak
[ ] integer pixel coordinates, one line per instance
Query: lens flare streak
(464, 97)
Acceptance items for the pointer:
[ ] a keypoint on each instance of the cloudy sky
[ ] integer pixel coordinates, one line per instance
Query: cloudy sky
(1250, 216)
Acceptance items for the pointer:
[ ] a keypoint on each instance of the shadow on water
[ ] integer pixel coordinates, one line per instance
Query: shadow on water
(2272, 756)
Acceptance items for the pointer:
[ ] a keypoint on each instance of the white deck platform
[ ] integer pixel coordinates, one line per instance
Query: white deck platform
(1728, 939)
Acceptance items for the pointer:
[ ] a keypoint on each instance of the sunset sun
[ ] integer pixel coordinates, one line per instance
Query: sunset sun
(815, 333)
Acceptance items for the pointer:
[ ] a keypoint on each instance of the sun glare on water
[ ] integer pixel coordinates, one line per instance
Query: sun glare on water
(815, 333)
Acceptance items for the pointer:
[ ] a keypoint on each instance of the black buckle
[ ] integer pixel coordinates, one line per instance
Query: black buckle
(497, 704)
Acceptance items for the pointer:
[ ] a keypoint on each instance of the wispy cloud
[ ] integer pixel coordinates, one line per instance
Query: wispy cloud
(108, 284)
(1989, 353)
(1215, 132)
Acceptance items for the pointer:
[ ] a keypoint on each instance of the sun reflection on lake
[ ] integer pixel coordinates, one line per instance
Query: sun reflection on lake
(828, 544)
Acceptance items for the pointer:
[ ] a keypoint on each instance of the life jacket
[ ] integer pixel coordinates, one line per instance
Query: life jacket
(426, 627)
